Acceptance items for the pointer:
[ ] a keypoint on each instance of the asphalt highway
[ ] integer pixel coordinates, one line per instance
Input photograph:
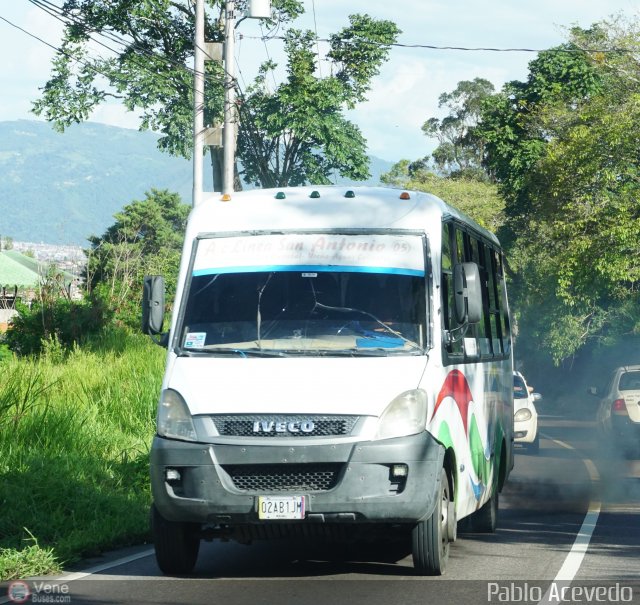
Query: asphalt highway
(569, 532)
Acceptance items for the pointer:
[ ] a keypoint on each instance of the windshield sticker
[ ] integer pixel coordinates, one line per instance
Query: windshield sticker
(393, 254)
(195, 340)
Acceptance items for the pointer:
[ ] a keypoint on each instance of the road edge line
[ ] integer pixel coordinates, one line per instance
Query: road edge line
(574, 558)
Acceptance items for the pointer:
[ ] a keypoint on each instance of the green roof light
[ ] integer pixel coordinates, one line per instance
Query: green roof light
(314, 195)
(349, 194)
(280, 195)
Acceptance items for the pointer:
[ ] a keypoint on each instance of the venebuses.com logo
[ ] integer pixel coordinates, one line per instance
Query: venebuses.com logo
(20, 591)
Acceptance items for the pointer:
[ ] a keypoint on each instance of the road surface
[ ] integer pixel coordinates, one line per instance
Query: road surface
(569, 532)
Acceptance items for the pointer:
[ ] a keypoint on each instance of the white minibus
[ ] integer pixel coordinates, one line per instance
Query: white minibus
(339, 365)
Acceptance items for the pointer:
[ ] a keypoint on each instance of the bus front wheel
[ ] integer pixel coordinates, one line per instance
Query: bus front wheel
(176, 544)
(430, 538)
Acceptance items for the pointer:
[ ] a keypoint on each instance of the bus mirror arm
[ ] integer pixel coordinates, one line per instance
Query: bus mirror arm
(468, 293)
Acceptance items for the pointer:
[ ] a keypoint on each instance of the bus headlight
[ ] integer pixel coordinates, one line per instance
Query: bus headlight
(174, 418)
(405, 415)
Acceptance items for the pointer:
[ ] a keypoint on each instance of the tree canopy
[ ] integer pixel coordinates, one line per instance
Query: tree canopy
(478, 199)
(565, 149)
(294, 134)
(560, 152)
(460, 152)
(145, 239)
(298, 133)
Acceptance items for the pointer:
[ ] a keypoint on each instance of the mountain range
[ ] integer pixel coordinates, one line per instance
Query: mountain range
(61, 188)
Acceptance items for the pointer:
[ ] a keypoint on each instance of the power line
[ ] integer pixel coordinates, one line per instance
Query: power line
(266, 49)
(315, 25)
(477, 48)
(67, 19)
(30, 34)
(514, 50)
(56, 12)
(56, 48)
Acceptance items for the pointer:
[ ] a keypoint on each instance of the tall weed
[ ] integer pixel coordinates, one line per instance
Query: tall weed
(23, 388)
(75, 432)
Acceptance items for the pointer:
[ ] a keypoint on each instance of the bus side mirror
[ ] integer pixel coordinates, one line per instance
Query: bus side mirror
(153, 305)
(468, 293)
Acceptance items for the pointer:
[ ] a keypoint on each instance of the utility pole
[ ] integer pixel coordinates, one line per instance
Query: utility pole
(258, 9)
(229, 130)
(198, 103)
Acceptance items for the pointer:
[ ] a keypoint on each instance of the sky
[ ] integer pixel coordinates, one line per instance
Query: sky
(405, 93)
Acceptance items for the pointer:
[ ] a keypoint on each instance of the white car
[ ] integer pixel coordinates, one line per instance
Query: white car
(525, 415)
(619, 409)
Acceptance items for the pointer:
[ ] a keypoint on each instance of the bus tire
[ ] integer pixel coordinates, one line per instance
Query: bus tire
(430, 538)
(485, 520)
(176, 544)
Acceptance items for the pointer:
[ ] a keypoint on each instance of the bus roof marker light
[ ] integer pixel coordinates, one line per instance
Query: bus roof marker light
(349, 194)
(405, 195)
(315, 194)
(280, 195)
(225, 197)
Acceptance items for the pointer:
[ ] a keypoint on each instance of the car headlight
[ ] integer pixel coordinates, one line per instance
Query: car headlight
(522, 415)
(405, 415)
(174, 418)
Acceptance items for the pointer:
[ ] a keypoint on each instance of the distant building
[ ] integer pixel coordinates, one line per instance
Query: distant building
(21, 277)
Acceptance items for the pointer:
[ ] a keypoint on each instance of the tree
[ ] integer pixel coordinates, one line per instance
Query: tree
(565, 147)
(398, 176)
(460, 151)
(514, 136)
(146, 238)
(298, 133)
(479, 200)
(151, 46)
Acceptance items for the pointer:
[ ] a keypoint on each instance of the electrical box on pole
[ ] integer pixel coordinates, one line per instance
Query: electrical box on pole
(259, 9)
(213, 134)
(213, 51)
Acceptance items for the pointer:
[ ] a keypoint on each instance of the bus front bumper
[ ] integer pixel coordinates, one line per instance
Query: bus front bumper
(388, 481)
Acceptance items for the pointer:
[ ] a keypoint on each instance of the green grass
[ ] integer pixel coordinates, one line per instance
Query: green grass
(75, 432)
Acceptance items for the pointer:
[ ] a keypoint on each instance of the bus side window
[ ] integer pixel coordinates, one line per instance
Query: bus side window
(483, 328)
(494, 304)
(503, 306)
(491, 334)
(451, 243)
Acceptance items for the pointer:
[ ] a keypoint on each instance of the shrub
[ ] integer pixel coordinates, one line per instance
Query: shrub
(56, 323)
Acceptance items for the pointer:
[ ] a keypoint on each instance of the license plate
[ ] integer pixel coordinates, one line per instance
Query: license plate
(281, 507)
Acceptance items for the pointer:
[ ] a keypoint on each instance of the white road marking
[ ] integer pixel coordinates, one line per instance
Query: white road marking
(104, 566)
(574, 559)
(87, 572)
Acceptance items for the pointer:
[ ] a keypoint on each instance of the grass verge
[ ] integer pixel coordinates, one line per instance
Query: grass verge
(75, 432)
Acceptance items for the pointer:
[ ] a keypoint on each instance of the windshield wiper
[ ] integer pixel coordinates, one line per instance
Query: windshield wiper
(201, 352)
(233, 352)
(391, 336)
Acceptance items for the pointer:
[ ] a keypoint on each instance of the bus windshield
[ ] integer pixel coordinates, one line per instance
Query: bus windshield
(355, 295)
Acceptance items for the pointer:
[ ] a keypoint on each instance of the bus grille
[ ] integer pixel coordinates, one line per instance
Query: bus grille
(242, 425)
(297, 478)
